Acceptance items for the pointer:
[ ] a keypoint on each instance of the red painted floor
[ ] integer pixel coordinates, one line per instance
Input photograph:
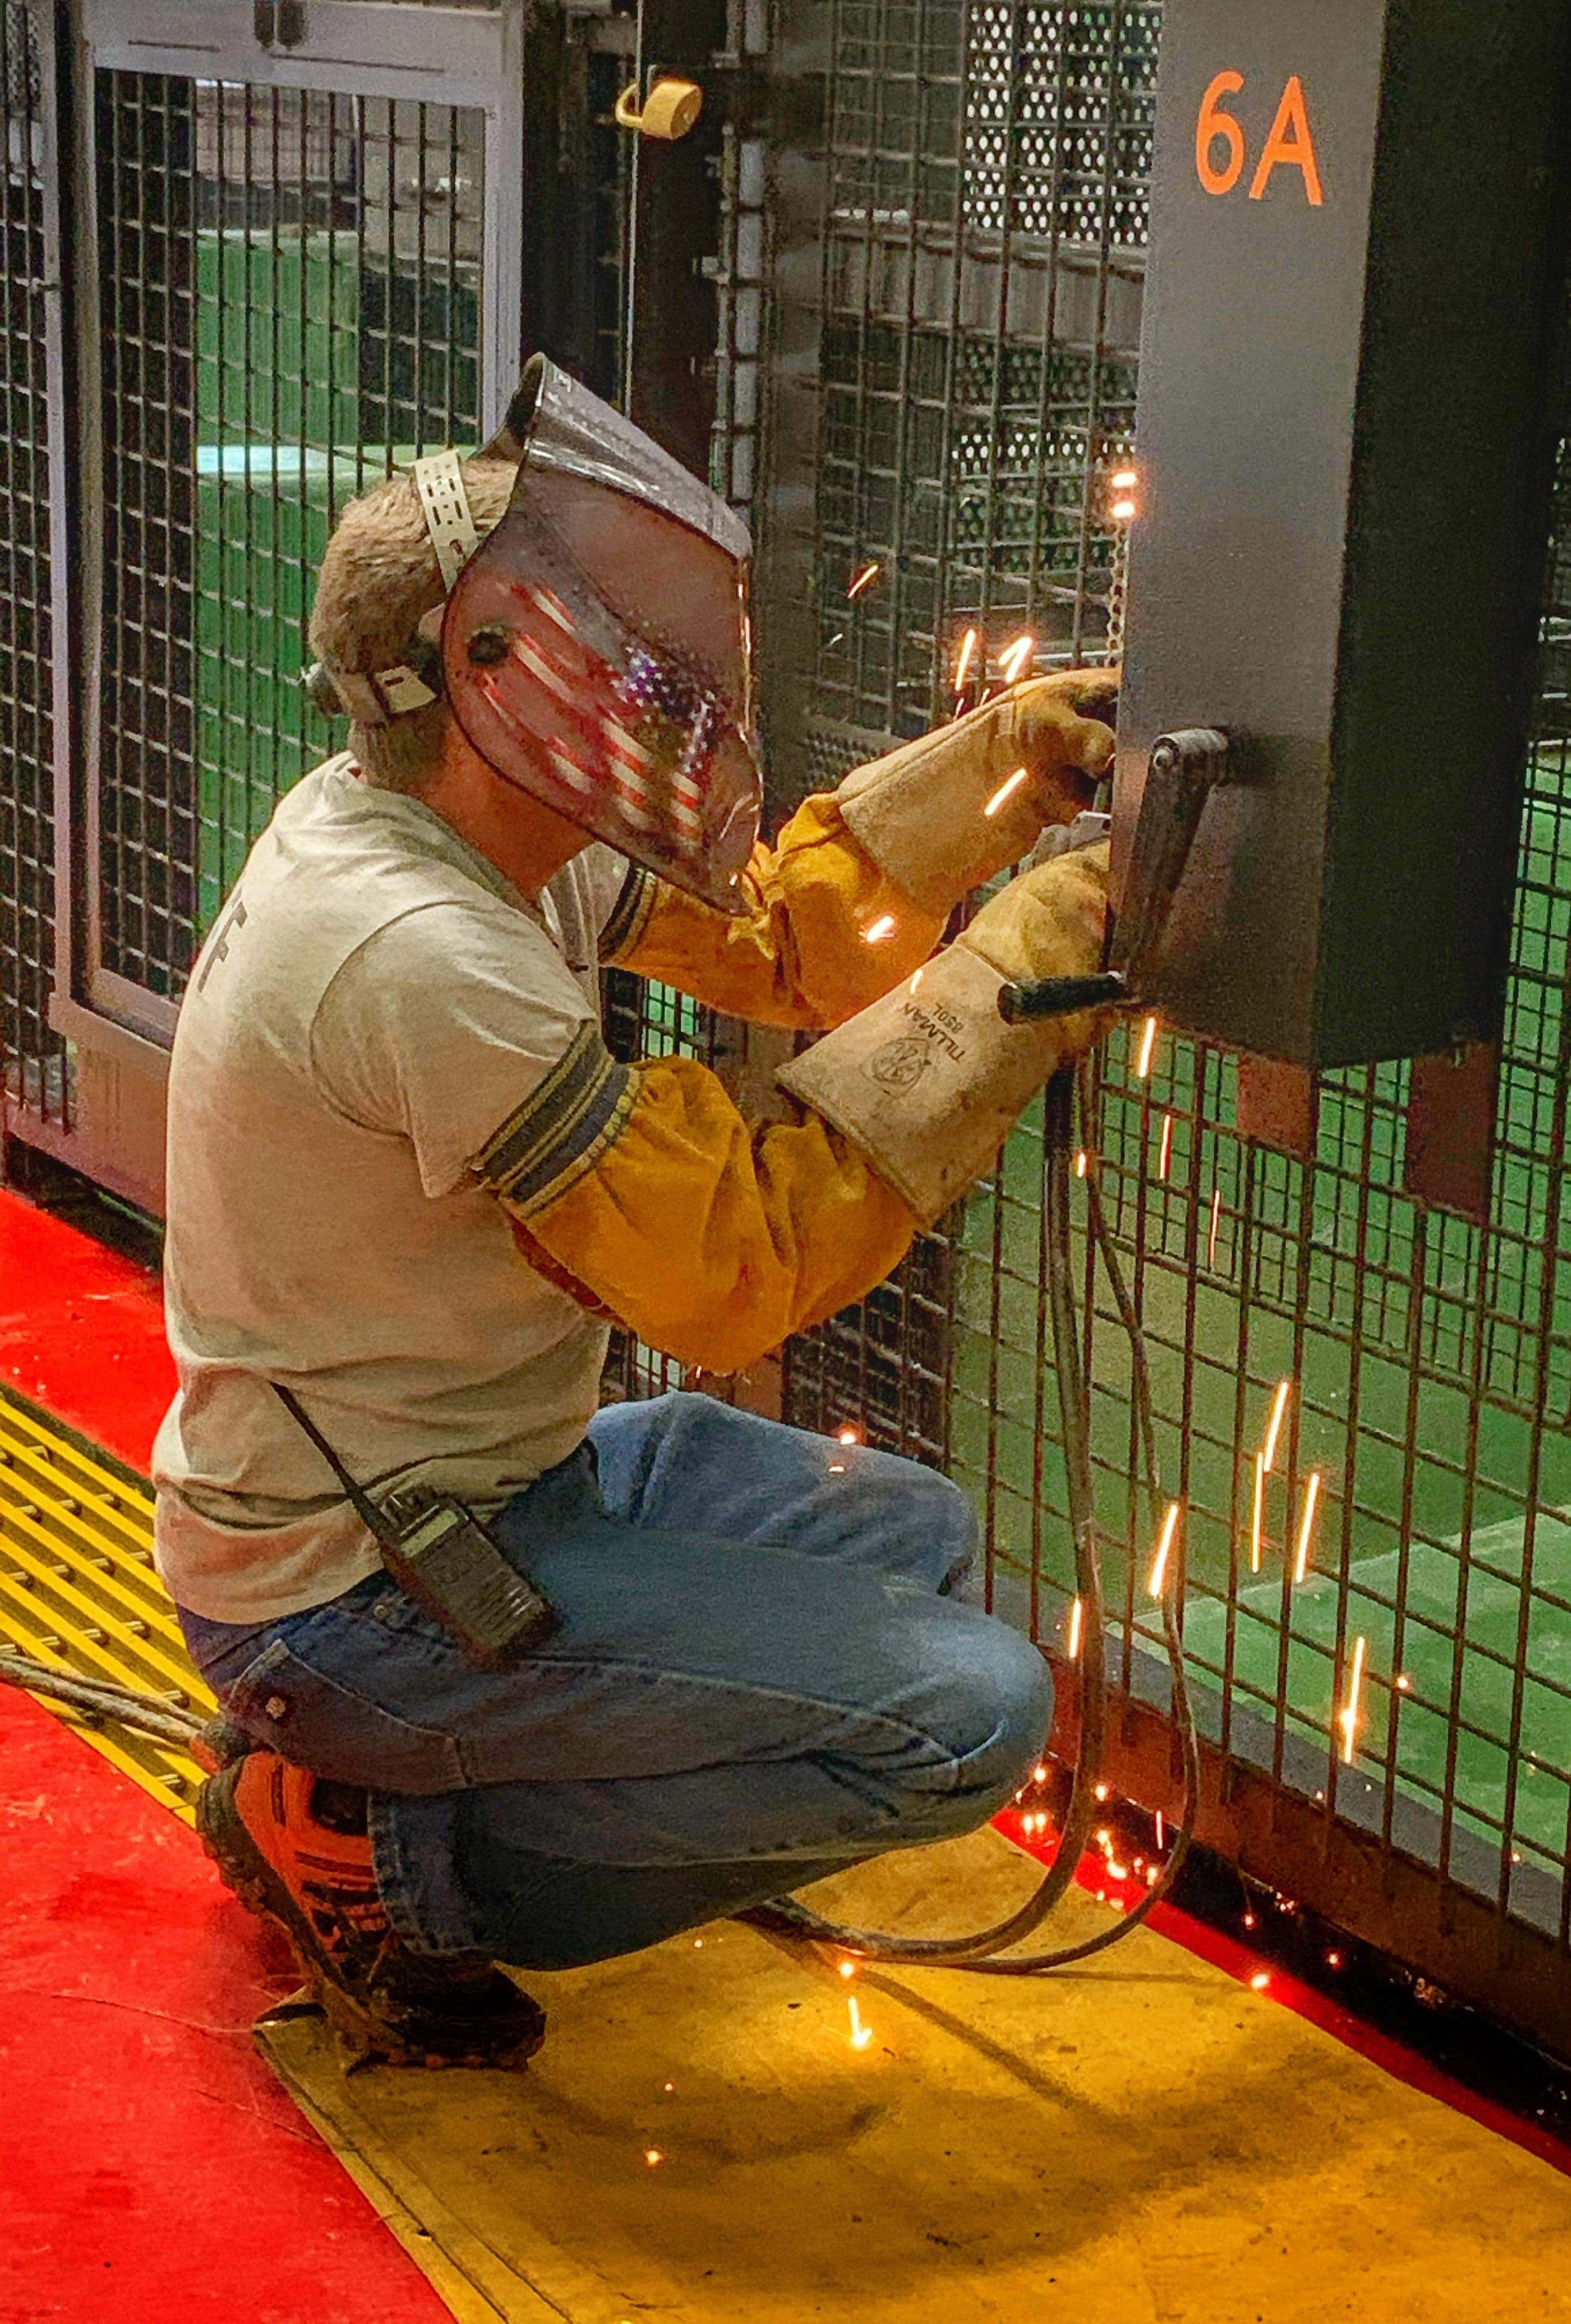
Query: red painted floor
(81, 1331)
(151, 2168)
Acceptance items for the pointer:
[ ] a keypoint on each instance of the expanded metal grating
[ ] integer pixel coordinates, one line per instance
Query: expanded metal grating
(290, 302)
(78, 1591)
(31, 1057)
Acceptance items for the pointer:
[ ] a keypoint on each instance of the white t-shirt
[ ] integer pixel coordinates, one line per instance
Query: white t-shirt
(374, 1004)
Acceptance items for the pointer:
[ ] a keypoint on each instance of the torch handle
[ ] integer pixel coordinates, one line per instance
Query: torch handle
(1063, 996)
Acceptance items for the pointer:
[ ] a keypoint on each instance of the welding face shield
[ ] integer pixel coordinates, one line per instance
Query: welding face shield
(596, 650)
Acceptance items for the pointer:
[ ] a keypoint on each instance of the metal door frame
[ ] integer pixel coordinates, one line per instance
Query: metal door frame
(459, 57)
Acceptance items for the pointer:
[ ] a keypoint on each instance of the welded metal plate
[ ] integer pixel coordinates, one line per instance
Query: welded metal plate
(1345, 434)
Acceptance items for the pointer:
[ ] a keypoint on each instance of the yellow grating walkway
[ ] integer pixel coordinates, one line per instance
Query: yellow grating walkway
(78, 1591)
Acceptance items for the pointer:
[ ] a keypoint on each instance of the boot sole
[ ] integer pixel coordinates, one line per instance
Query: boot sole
(247, 1874)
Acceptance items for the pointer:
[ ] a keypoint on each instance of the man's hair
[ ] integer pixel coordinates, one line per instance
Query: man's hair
(379, 578)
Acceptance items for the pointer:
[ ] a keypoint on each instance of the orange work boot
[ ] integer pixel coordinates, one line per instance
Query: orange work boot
(294, 1849)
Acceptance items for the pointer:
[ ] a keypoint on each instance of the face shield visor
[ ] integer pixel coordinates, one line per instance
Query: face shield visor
(596, 649)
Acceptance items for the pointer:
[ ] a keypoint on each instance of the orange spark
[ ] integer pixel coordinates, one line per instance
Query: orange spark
(1161, 1830)
(1277, 1413)
(848, 1435)
(1081, 1164)
(1158, 1580)
(865, 578)
(1123, 510)
(1039, 1775)
(652, 2155)
(1164, 1161)
(1077, 1619)
(1102, 1791)
(860, 2034)
(1306, 1526)
(1006, 791)
(1125, 480)
(1348, 1718)
(1216, 1222)
(1014, 659)
(883, 926)
(1260, 1980)
(837, 1468)
(1257, 1522)
(848, 1968)
(1147, 1048)
(963, 660)
(915, 981)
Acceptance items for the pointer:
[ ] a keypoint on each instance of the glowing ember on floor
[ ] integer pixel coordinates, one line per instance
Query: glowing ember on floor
(1306, 1526)
(1348, 1718)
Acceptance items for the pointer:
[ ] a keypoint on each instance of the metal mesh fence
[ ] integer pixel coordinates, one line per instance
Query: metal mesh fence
(33, 1057)
(291, 305)
(1379, 1614)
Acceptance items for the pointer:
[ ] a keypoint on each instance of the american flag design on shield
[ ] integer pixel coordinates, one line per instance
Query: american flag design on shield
(645, 734)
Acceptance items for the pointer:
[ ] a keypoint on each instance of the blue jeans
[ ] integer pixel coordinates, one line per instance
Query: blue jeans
(760, 1678)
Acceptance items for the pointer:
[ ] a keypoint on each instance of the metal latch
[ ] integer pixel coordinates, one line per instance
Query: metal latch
(1185, 769)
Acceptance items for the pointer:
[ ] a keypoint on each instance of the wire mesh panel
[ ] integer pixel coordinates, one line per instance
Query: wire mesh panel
(1362, 1401)
(31, 1057)
(292, 302)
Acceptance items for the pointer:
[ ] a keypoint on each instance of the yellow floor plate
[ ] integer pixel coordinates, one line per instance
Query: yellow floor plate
(78, 1591)
(1144, 2141)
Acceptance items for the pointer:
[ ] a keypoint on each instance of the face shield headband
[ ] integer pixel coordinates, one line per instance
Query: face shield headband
(596, 647)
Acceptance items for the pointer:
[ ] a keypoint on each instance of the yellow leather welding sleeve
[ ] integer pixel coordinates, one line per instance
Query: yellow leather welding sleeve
(824, 931)
(643, 1192)
(854, 894)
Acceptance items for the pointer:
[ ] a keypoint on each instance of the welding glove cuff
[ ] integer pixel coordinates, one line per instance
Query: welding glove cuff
(929, 1081)
(922, 812)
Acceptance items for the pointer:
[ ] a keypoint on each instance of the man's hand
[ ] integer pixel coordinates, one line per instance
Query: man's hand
(943, 814)
(929, 1079)
(1049, 922)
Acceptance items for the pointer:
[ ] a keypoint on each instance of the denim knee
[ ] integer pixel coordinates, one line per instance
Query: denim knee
(1000, 1695)
(938, 1509)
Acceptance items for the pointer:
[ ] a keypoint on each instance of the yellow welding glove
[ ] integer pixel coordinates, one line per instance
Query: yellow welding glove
(854, 893)
(928, 1081)
(942, 815)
